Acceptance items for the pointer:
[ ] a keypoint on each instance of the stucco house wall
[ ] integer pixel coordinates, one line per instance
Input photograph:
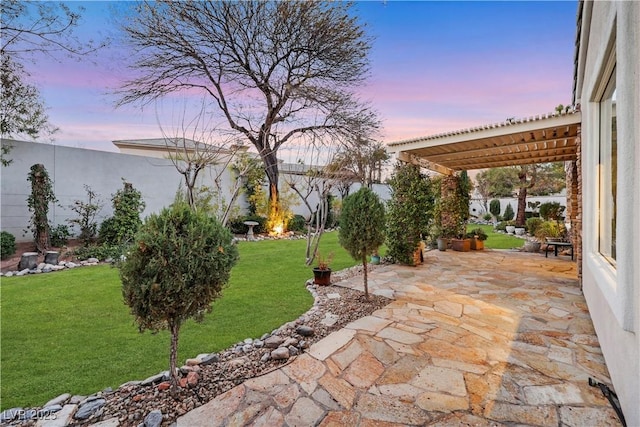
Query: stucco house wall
(610, 37)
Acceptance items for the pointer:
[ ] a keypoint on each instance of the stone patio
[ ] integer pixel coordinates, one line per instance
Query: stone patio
(485, 338)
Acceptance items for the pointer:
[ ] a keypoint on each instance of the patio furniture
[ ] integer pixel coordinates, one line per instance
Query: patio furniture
(555, 248)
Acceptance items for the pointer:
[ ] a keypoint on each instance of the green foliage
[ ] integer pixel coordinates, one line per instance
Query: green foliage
(127, 207)
(409, 212)
(452, 205)
(551, 211)
(478, 233)
(101, 252)
(363, 221)
(108, 232)
(497, 240)
(494, 207)
(501, 226)
(179, 264)
(237, 225)
(297, 223)
(532, 225)
(7, 244)
(487, 217)
(86, 216)
(60, 235)
(550, 229)
(362, 230)
(508, 213)
(38, 202)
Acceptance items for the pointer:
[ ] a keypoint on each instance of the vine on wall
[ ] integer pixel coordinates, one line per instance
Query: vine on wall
(38, 202)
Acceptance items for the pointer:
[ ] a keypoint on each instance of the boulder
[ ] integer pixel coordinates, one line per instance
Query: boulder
(153, 419)
(89, 408)
(280, 353)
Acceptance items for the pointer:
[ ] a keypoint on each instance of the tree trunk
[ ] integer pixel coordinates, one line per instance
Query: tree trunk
(270, 161)
(366, 284)
(173, 354)
(522, 204)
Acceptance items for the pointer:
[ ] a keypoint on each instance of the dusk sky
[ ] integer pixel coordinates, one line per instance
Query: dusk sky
(435, 67)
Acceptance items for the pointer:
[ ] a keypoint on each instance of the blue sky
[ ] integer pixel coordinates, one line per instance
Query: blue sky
(435, 67)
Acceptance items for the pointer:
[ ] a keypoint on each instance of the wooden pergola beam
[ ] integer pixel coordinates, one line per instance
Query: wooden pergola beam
(415, 160)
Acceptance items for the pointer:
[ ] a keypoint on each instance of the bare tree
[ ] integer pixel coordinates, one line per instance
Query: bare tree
(360, 160)
(195, 146)
(275, 70)
(313, 185)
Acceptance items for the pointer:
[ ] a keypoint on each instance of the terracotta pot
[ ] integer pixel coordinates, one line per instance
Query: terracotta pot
(461, 245)
(322, 277)
(477, 244)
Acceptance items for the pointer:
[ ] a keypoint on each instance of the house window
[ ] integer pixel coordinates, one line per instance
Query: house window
(608, 169)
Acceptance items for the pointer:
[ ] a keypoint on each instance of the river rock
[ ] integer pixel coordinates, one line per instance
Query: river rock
(58, 400)
(273, 341)
(88, 409)
(280, 353)
(305, 331)
(153, 419)
(212, 358)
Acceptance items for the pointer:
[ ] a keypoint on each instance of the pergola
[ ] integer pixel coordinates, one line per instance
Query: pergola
(540, 139)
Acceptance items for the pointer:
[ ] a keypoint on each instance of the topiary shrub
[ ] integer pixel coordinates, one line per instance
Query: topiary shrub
(177, 267)
(508, 213)
(7, 244)
(551, 211)
(362, 230)
(494, 207)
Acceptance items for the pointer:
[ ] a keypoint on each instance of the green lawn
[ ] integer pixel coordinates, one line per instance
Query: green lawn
(498, 240)
(70, 331)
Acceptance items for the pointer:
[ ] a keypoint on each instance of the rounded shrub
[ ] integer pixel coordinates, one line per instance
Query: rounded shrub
(533, 224)
(176, 268)
(7, 244)
(297, 223)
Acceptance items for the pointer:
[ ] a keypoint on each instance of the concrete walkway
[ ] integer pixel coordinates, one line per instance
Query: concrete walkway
(479, 338)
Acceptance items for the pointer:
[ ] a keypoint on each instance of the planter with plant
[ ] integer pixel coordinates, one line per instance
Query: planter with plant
(322, 271)
(477, 238)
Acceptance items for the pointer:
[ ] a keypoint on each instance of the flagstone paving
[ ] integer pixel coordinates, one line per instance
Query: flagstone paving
(486, 338)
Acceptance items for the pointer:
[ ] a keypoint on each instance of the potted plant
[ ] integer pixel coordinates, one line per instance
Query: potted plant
(477, 238)
(322, 272)
(375, 257)
(461, 244)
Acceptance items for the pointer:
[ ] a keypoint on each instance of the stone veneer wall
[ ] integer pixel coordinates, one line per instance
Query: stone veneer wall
(574, 203)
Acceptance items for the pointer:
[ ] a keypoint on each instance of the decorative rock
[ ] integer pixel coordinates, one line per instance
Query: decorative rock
(273, 341)
(9, 274)
(305, 331)
(164, 386)
(28, 414)
(290, 342)
(248, 341)
(192, 378)
(280, 353)
(88, 409)
(58, 400)
(192, 362)
(71, 265)
(293, 351)
(258, 343)
(265, 358)
(212, 358)
(28, 261)
(153, 419)
(49, 409)
(155, 378)
(76, 399)
(51, 257)
(41, 266)
(22, 272)
(93, 260)
(247, 348)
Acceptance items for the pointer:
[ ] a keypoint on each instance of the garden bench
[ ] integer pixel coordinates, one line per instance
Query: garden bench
(555, 248)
